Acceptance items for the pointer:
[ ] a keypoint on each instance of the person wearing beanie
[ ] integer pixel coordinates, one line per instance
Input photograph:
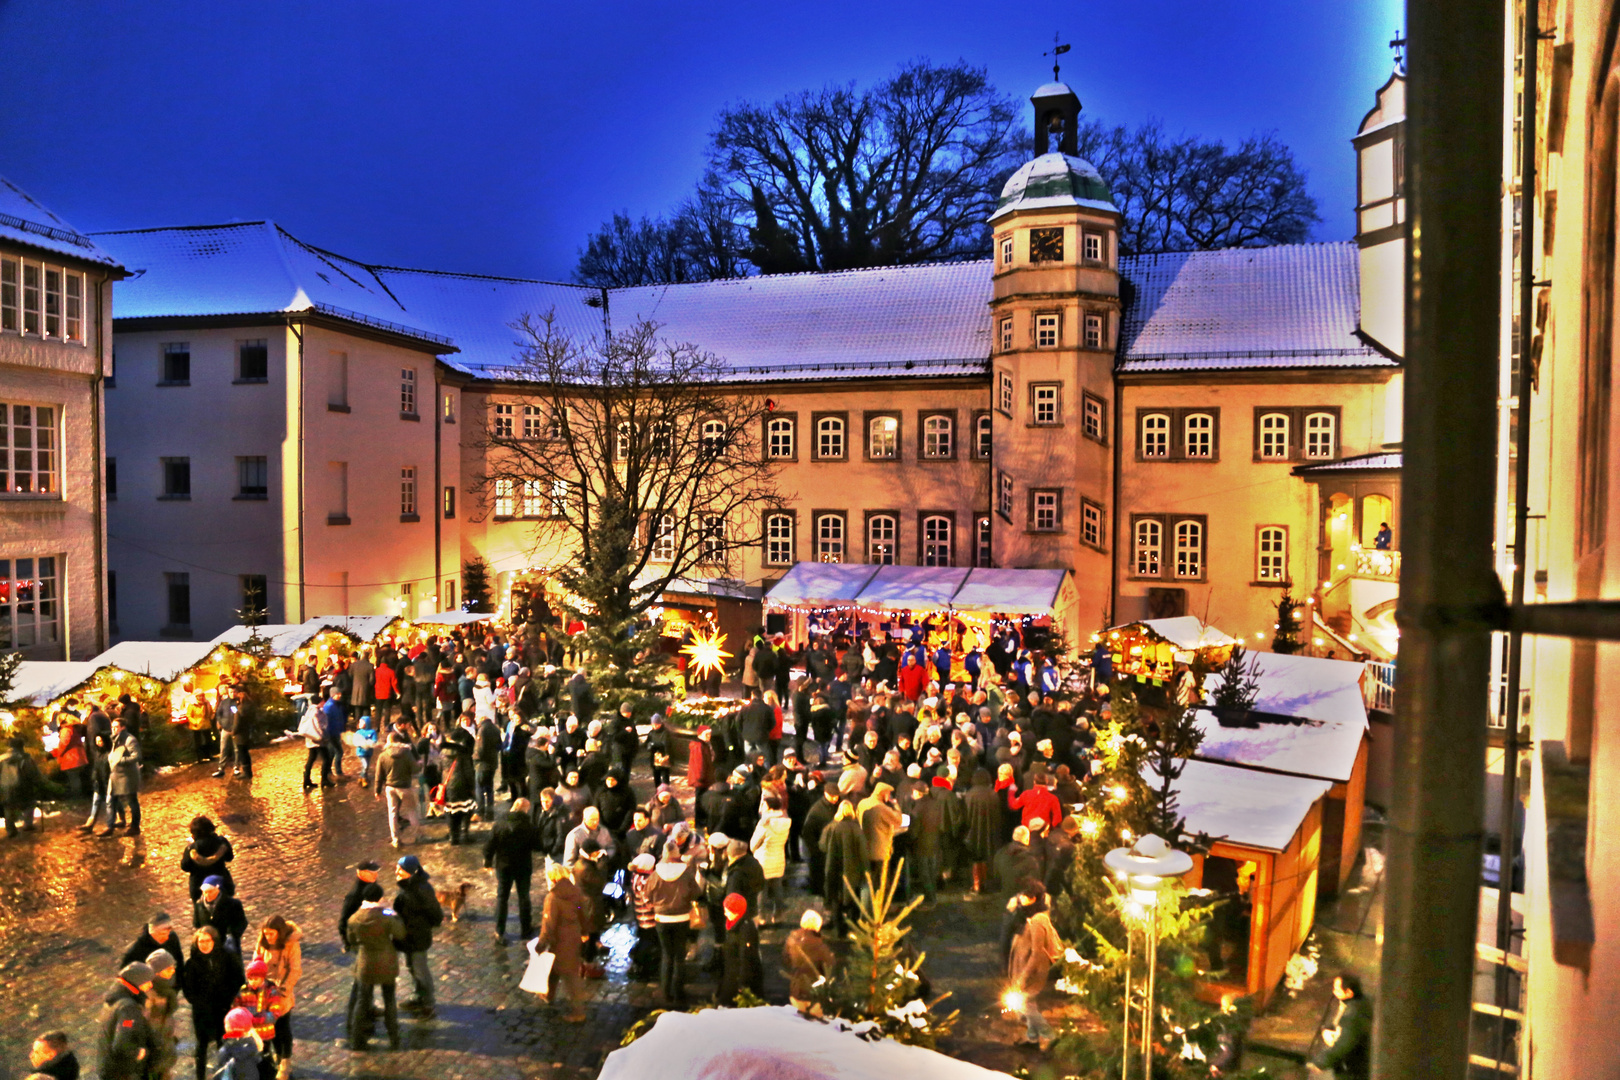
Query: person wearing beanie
(158, 933)
(210, 980)
(365, 873)
(418, 906)
(280, 947)
(644, 953)
(223, 913)
(377, 933)
(49, 1056)
(127, 1042)
(740, 967)
(809, 960)
(240, 1052)
(161, 1002)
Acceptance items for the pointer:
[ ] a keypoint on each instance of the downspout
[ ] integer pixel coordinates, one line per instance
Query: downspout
(298, 331)
(1450, 594)
(1116, 501)
(437, 503)
(98, 407)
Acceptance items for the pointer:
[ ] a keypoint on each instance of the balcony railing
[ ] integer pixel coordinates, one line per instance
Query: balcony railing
(1377, 565)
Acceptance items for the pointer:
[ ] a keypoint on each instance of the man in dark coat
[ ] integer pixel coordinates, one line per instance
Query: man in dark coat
(157, 934)
(486, 758)
(127, 1039)
(757, 720)
(844, 843)
(509, 851)
(581, 697)
(744, 875)
(983, 811)
(418, 906)
(377, 933)
(97, 742)
(714, 806)
(50, 1056)
(21, 785)
(1346, 1043)
(816, 820)
(931, 819)
(364, 874)
(223, 913)
(1015, 863)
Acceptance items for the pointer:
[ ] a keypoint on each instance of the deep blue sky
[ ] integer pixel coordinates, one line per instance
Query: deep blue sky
(492, 137)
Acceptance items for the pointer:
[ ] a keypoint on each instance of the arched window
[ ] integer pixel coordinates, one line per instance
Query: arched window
(830, 437)
(881, 530)
(779, 437)
(938, 437)
(663, 543)
(1274, 436)
(1200, 435)
(1189, 549)
(621, 441)
(883, 437)
(1149, 548)
(1272, 554)
(830, 538)
(779, 540)
(1156, 435)
(982, 436)
(714, 437)
(1320, 441)
(936, 538)
(985, 554)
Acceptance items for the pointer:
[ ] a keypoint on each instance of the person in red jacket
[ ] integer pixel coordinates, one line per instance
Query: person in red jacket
(268, 1004)
(913, 678)
(1037, 802)
(385, 688)
(700, 767)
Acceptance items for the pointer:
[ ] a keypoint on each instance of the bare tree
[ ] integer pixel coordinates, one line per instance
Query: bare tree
(646, 467)
(699, 242)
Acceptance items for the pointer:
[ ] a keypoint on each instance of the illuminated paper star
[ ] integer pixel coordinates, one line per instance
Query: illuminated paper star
(706, 653)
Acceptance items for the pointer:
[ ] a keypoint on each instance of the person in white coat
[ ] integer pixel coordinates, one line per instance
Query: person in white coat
(769, 845)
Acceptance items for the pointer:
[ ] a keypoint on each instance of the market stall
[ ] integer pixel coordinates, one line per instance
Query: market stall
(45, 684)
(187, 669)
(1309, 719)
(1267, 832)
(1148, 651)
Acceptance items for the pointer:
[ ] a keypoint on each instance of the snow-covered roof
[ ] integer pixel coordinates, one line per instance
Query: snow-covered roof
(1324, 749)
(907, 588)
(40, 682)
(1359, 463)
(24, 221)
(1054, 180)
(161, 660)
(1011, 592)
(1289, 306)
(818, 584)
(1186, 632)
(251, 268)
(774, 1041)
(284, 638)
(363, 628)
(453, 618)
(1243, 806)
(1305, 687)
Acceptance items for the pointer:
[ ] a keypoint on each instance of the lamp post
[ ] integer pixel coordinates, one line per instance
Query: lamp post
(1145, 867)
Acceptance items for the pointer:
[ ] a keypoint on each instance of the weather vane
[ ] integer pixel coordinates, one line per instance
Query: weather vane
(1055, 52)
(1398, 43)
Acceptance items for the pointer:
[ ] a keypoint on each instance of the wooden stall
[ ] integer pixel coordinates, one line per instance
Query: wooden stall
(185, 669)
(1267, 830)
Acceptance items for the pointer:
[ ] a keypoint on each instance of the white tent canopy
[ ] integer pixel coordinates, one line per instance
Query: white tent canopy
(161, 660)
(1186, 632)
(1010, 592)
(1255, 809)
(40, 682)
(454, 618)
(774, 1042)
(818, 584)
(907, 588)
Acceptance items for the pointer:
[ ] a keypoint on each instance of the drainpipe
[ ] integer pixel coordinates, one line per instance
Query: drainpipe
(98, 411)
(1116, 501)
(1450, 595)
(437, 502)
(298, 331)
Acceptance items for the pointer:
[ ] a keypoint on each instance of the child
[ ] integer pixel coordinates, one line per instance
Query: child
(740, 965)
(365, 745)
(644, 955)
(239, 1054)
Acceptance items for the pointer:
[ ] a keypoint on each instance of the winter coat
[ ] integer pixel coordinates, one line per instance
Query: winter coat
(982, 821)
(361, 675)
(661, 814)
(512, 844)
(880, 822)
(378, 934)
(487, 743)
(575, 843)
(208, 857)
(146, 945)
(1035, 949)
(127, 1040)
(769, 844)
(267, 1004)
(844, 844)
(124, 759)
(617, 805)
(161, 1003)
(1037, 802)
(746, 878)
(591, 876)
(226, 916)
(210, 982)
(552, 827)
(1350, 1056)
(757, 720)
(562, 922)
(1012, 864)
(351, 904)
(816, 820)
(582, 699)
(740, 966)
(808, 958)
(239, 1059)
(64, 1066)
(458, 767)
(285, 960)
(385, 685)
(70, 752)
(396, 768)
(418, 907)
(21, 782)
(929, 824)
(673, 888)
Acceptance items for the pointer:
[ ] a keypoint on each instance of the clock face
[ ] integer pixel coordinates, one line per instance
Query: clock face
(1046, 245)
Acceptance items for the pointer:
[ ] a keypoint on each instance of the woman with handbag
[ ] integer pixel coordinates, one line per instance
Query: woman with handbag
(674, 891)
(561, 931)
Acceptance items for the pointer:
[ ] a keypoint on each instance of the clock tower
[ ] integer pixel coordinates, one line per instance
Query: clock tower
(1055, 317)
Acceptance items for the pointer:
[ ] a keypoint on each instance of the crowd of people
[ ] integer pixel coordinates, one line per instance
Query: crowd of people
(889, 767)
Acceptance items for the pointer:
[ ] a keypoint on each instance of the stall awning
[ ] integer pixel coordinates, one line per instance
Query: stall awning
(455, 618)
(817, 584)
(40, 682)
(913, 588)
(1012, 592)
(161, 660)
(1243, 806)
(1186, 632)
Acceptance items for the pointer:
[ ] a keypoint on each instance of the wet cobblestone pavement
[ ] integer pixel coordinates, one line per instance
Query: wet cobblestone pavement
(70, 904)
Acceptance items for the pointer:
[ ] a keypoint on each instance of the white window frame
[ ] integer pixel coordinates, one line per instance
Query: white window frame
(984, 547)
(505, 498)
(663, 539)
(532, 425)
(831, 536)
(1189, 548)
(1271, 554)
(42, 300)
(1091, 247)
(1321, 435)
(780, 438)
(1090, 523)
(1048, 330)
(31, 602)
(1044, 510)
(663, 439)
(831, 438)
(40, 475)
(882, 539)
(1147, 544)
(939, 437)
(714, 437)
(503, 420)
(714, 538)
(407, 490)
(936, 540)
(534, 499)
(779, 546)
(407, 391)
(1007, 334)
(1092, 423)
(1198, 436)
(622, 435)
(984, 436)
(1094, 331)
(883, 438)
(1004, 494)
(10, 295)
(1006, 251)
(1044, 399)
(1274, 435)
(1005, 395)
(1156, 435)
(559, 498)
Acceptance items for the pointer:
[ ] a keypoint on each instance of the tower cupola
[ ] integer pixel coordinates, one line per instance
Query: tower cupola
(1057, 120)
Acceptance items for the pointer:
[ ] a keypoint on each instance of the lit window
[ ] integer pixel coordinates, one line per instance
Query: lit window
(534, 501)
(1092, 420)
(779, 540)
(407, 391)
(503, 421)
(1274, 436)
(830, 538)
(1091, 523)
(937, 437)
(984, 551)
(28, 454)
(1155, 435)
(714, 538)
(1200, 435)
(252, 477)
(1046, 331)
(830, 437)
(779, 437)
(936, 549)
(505, 498)
(1094, 331)
(30, 611)
(1004, 392)
(663, 543)
(449, 412)
(621, 441)
(532, 428)
(1189, 549)
(983, 437)
(1045, 399)
(1094, 247)
(559, 498)
(1044, 511)
(407, 490)
(1004, 495)
(449, 507)
(880, 539)
(1006, 251)
(883, 437)
(1006, 335)
(1149, 547)
(1319, 435)
(1272, 554)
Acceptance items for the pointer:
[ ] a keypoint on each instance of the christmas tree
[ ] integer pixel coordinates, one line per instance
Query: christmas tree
(1289, 616)
(475, 586)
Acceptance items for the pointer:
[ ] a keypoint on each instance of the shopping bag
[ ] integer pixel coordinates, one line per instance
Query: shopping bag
(537, 976)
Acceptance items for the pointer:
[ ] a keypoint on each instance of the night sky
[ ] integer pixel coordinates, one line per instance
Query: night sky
(493, 137)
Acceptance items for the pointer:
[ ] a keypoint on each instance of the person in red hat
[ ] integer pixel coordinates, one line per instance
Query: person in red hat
(241, 1053)
(740, 965)
(268, 1004)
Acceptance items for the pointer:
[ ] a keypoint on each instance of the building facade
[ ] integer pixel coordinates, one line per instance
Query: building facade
(55, 351)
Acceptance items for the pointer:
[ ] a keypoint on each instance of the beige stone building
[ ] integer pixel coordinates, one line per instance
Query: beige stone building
(55, 352)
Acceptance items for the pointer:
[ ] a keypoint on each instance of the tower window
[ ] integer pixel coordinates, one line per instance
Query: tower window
(1043, 399)
(1093, 250)
(1004, 392)
(1006, 251)
(983, 438)
(1046, 331)
(1091, 523)
(1004, 495)
(1094, 331)
(1006, 335)
(985, 554)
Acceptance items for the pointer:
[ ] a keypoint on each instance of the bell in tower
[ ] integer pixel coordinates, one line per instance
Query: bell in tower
(1057, 120)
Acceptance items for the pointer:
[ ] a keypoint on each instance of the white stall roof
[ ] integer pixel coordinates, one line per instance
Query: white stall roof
(774, 1041)
(1243, 806)
(817, 584)
(1014, 592)
(40, 682)
(363, 628)
(1186, 632)
(1325, 749)
(1306, 686)
(161, 660)
(909, 588)
(454, 618)
(284, 638)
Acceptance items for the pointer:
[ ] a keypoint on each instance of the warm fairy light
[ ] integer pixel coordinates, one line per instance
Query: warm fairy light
(1127, 836)
(707, 654)
(7, 720)
(1013, 1001)
(1117, 792)
(1090, 827)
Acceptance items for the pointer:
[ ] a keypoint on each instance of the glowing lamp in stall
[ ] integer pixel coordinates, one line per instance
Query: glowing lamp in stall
(8, 720)
(1090, 827)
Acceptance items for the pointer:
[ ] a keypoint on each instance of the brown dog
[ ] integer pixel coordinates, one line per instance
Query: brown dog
(453, 900)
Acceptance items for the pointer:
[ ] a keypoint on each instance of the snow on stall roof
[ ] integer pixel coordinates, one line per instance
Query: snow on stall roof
(774, 1042)
(453, 618)
(1288, 306)
(25, 221)
(1307, 687)
(284, 638)
(1325, 749)
(906, 588)
(1383, 460)
(1186, 632)
(161, 660)
(363, 628)
(1012, 592)
(1243, 806)
(818, 583)
(40, 682)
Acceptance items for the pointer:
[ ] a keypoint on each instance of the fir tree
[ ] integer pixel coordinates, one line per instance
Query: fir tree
(475, 585)
(1239, 686)
(1286, 638)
